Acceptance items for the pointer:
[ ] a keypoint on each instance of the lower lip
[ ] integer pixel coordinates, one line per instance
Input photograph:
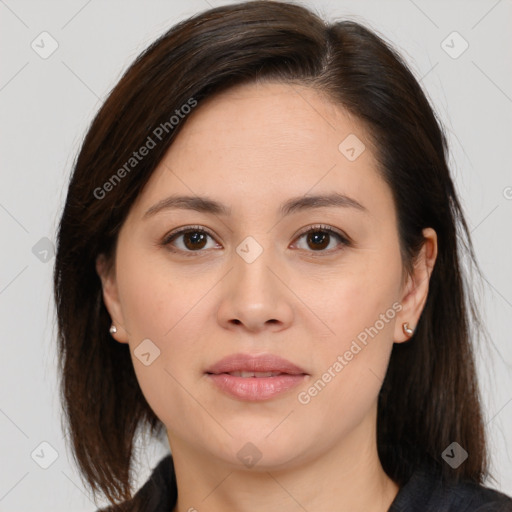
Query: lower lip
(255, 388)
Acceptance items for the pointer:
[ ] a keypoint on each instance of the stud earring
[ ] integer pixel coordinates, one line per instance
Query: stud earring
(113, 329)
(407, 329)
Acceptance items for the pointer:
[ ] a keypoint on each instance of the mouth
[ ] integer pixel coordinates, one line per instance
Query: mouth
(254, 378)
(258, 375)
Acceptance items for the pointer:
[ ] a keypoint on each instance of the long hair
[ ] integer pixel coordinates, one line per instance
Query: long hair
(429, 397)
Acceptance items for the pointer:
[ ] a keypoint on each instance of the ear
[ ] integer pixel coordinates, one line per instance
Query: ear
(111, 298)
(415, 291)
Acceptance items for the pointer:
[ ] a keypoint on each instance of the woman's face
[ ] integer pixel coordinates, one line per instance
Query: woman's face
(247, 280)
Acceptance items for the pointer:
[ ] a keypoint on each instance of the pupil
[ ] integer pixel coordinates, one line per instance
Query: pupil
(318, 237)
(195, 237)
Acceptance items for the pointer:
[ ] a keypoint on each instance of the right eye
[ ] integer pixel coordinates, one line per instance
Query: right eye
(191, 239)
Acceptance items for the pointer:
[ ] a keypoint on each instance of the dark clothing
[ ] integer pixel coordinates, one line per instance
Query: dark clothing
(424, 492)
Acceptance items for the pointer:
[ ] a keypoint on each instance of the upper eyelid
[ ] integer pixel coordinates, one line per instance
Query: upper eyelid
(322, 227)
(185, 229)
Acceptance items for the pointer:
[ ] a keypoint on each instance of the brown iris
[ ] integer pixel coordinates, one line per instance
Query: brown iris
(320, 239)
(194, 240)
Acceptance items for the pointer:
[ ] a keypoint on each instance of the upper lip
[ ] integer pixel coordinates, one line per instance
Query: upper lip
(255, 363)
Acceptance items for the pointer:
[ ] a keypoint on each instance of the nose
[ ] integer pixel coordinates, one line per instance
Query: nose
(255, 296)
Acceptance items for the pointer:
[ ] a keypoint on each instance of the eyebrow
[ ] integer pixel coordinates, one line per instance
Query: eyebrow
(206, 205)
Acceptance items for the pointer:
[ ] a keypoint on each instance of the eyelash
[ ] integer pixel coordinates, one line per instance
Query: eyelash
(344, 241)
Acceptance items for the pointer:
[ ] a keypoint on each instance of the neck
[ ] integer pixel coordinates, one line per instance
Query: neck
(349, 477)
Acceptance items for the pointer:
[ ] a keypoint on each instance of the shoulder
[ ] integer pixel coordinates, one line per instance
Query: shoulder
(159, 492)
(426, 491)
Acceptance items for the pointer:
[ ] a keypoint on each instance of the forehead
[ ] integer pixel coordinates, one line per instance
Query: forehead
(257, 141)
(278, 116)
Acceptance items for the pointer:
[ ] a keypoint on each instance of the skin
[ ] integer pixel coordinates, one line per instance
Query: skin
(252, 148)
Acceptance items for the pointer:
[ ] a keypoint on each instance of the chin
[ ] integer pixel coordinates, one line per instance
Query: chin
(259, 453)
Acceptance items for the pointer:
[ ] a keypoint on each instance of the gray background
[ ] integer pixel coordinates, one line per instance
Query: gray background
(45, 108)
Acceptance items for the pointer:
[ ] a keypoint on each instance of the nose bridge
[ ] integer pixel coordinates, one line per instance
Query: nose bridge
(251, 272)
(253, 295)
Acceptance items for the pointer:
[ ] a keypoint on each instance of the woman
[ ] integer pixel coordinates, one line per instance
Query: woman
(258, 258)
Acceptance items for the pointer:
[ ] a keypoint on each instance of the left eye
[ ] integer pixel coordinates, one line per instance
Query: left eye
(319, 238)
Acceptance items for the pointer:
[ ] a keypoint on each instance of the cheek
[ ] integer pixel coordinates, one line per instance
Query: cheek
(167, 309)
(156, 297)
(360, 310)
(354, 298)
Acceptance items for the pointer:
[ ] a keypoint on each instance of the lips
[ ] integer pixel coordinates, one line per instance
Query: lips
(255, 378)
(264, 363)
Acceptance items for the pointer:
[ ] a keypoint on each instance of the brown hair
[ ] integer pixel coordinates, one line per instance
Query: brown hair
(429, 397)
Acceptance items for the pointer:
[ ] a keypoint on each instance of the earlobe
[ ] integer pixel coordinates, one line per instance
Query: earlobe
(111, 299)
(416, 289)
